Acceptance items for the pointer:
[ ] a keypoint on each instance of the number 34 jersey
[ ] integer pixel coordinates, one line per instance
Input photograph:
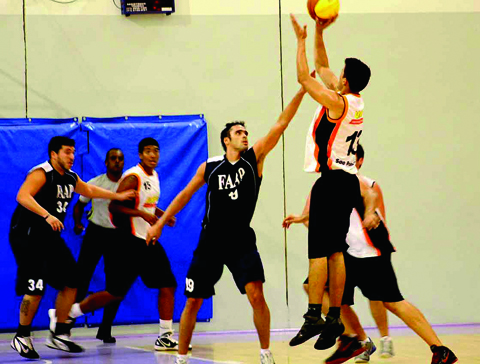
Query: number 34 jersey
(232, 190)
(54, 196)
(332, 143)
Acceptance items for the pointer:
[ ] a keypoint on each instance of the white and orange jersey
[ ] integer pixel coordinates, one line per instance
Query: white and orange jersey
(148, 195)
(364, 244)
(332, 144)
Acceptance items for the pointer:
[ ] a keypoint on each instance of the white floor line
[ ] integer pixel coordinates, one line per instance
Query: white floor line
(191, 357)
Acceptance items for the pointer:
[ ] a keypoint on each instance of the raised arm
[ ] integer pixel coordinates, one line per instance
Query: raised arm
(91, 191)
(264, 145)
(321, 60)
(330, 99)
(178, 203)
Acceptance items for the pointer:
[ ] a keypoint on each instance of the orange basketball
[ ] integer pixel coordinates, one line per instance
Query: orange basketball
(323, 9)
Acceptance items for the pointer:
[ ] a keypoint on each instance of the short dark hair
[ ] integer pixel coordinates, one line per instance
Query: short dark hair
(357, 74)
(360, 152)
(111, 150)
(57, 142)
(146, 142)
(226, 131)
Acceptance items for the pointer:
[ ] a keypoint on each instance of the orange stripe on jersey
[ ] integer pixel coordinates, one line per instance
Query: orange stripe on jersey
(356, 121)
(367, 238)
(317, 123)
(141, 167)
(345, 110)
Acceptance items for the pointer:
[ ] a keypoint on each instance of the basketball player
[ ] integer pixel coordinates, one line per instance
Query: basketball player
(330, 150)
(369, 255)
(41, 254)
(133, 256)
(100, 237)
(226, 238)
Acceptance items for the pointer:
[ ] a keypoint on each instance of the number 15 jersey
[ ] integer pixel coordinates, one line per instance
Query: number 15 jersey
(332, 143)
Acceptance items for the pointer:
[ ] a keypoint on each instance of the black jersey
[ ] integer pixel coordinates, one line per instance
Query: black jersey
(54, 196)
(232, 190)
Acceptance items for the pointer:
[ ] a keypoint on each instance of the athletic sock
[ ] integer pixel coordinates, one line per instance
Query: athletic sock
(265, 351)
(314, 309)
(62, 329)
(334, 312)
(24, 331)
(75, 311)
(166, 326)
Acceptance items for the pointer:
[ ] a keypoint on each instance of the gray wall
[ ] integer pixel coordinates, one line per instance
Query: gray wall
(421, 122)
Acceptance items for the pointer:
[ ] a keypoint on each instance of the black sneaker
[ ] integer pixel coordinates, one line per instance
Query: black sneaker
(62, 342)
(312, 327)
(348, 347)
(106, 338)
(442, 355)
(333, 329)
(24, 346)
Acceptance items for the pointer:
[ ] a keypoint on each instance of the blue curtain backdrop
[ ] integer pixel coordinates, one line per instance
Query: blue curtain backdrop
(183, 147)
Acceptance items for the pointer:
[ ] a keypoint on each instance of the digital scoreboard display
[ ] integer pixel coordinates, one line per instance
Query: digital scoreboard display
(148, 7)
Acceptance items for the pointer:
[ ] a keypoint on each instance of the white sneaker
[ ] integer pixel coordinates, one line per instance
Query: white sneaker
(62, 342)
(267, 358)
(24, 346)
(386, 347)
(166, 342)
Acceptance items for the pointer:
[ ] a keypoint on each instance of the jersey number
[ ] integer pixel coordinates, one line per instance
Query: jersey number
(354, 138)
(62, 206)
(32, 285)
(189, 285)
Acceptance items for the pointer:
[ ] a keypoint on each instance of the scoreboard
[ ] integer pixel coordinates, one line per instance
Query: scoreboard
(148, 7)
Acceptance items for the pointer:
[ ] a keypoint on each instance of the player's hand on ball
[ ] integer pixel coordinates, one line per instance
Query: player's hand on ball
(300, 32)
(322, 24)
(371, 221)
(55, 223)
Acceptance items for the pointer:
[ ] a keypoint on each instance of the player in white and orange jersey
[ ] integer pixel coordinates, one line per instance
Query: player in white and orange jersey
(330, 150)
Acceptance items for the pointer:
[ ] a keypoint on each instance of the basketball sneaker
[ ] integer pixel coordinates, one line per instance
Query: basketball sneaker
(24, 346)
(63, 343)
(267, 358)
(166, 342)
(386, 347)
(312, 327)
(348, 347)
(442, 355)
(365, 356)
(333, 329)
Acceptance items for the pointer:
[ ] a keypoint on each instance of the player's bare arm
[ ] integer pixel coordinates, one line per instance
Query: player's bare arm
(328, 98)
(77, 217)
(178, 203)
(304, 218)
(25, 196)
(159, 213)
(130, 183)
(370, 218)
(321, 59)
(263, 146)
(91, 191)
(380, 203)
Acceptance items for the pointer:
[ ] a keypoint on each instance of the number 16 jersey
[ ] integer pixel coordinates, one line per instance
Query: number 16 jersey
(232, 190)
(332, 143)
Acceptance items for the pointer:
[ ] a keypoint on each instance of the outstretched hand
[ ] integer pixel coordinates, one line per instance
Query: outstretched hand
(322, 24)
(126, 195)
(300, 32)
(293, 219)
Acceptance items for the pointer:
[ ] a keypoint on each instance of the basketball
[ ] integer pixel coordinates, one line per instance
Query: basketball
(323, 9)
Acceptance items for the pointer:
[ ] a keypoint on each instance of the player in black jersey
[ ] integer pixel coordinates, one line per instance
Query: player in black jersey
(233, 184)
(41, 254)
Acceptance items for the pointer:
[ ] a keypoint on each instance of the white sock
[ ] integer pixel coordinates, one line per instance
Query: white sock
(386, 338)
(166, 326)
(265, 351)
(184, 357)
(363, 342)
(75, 311)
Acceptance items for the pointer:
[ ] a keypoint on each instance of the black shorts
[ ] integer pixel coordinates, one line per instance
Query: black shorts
(236, 249)
(332, 200)
(374, 276)
(134, 258)
(42, 258)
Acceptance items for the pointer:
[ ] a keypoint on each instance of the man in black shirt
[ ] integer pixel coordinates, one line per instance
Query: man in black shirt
(41, 254)
(233, 184)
